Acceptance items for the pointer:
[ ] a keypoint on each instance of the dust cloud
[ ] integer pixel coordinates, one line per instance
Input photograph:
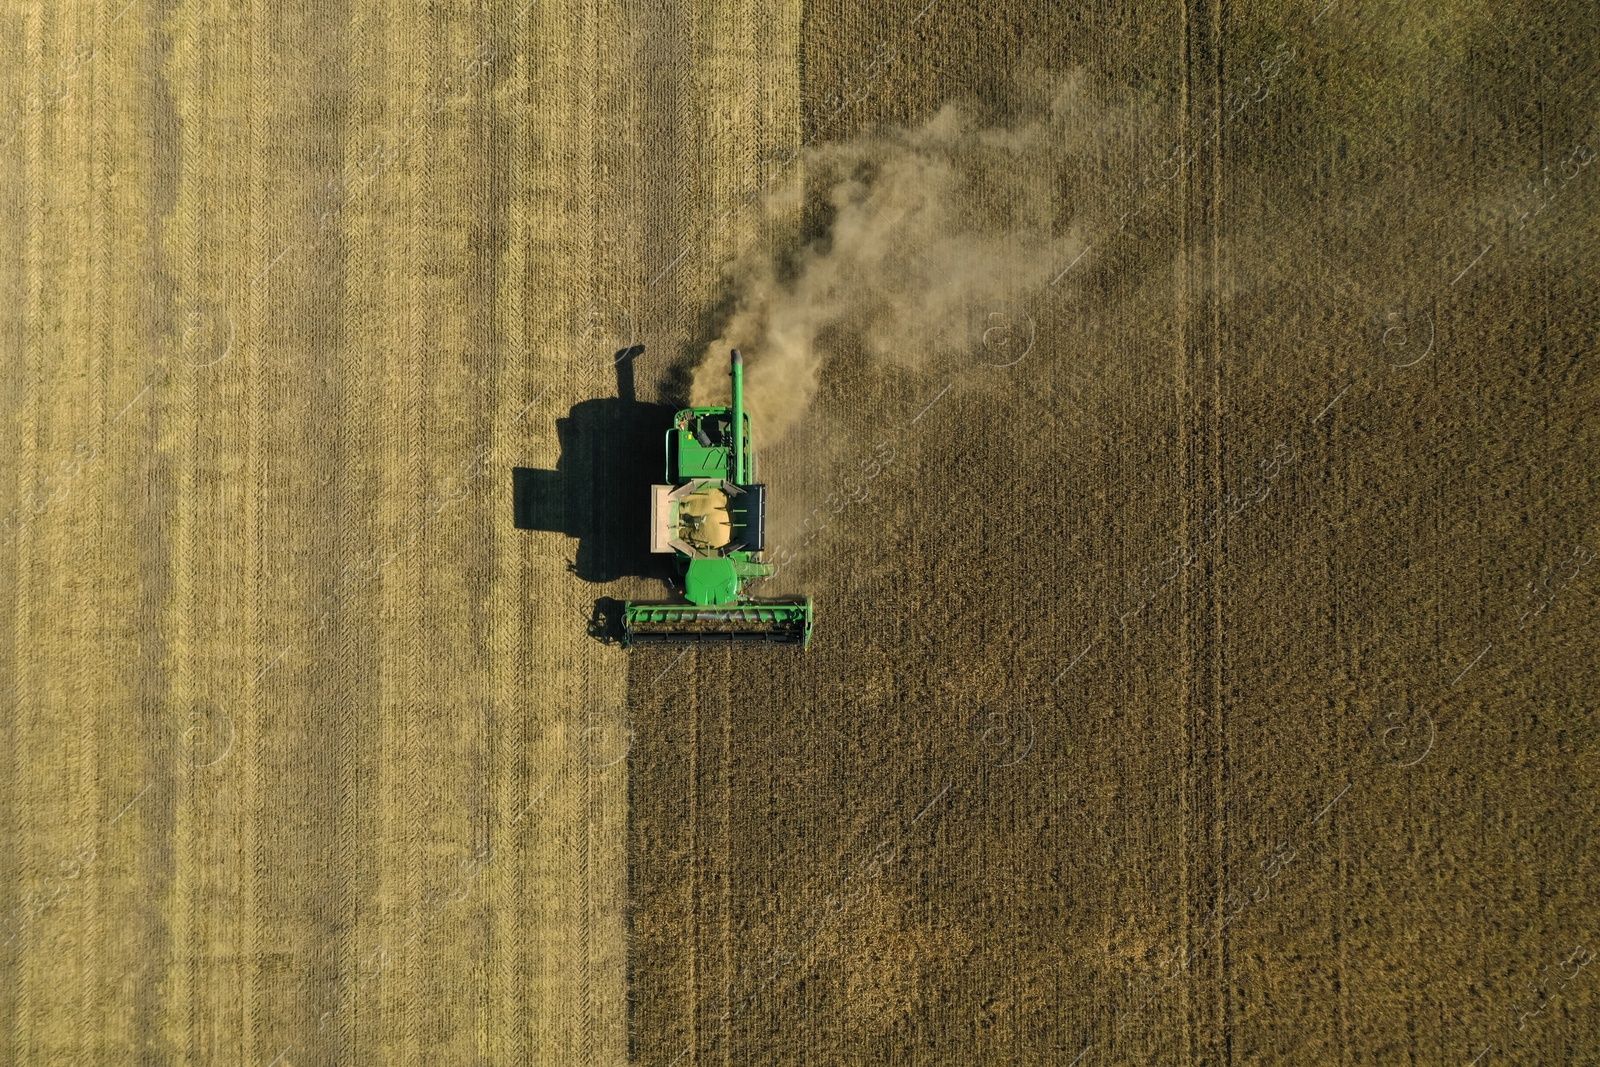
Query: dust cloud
(927, 232)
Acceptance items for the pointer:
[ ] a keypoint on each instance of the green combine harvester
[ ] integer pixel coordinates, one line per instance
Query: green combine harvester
(712, 517)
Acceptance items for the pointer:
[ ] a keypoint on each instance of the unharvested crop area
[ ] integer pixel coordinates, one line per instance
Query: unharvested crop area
(1182, 416)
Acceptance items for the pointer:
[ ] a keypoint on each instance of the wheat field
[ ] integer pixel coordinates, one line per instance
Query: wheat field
(1204, 668)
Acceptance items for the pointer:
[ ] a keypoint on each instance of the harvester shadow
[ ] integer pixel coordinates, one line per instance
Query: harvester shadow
(599, 495)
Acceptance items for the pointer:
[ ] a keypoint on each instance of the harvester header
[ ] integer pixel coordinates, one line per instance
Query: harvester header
(711, 515)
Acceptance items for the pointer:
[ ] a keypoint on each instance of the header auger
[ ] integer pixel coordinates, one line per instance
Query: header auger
(712, 517)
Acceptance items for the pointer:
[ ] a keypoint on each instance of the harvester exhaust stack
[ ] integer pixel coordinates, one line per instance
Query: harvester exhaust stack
(712, 517)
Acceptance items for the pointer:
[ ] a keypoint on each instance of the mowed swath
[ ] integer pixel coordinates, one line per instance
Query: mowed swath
(305, 279)
(737, 127)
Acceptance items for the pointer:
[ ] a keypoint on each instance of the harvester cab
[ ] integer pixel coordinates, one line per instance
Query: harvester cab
(711, 515)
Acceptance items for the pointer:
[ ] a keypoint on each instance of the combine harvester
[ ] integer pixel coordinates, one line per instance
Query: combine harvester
(713, 518)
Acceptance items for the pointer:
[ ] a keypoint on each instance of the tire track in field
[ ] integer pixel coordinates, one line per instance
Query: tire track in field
(211, 551)
(18, 272)
(152, 527)
(493, 374)
(314, 499)
(1207, 683)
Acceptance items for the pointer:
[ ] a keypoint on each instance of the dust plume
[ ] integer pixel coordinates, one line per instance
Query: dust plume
(926, 232)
